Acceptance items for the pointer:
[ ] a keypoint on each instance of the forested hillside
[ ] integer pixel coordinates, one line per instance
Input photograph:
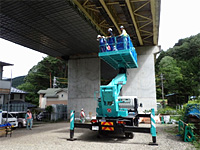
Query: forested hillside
(17, 81)
(180, 67)
(40, 77)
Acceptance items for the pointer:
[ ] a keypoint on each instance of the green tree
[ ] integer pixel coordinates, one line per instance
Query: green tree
(172, 74)
(186, 54)
(40, 77)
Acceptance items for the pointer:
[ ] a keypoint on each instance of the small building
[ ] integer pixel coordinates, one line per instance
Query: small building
(15, 95)
(175, 99)
(4, 85)
(53, 96)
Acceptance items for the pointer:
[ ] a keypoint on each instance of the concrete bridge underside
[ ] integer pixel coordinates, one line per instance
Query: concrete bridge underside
(68, 30)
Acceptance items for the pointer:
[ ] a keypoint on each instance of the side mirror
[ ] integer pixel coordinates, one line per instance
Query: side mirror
(141, 105)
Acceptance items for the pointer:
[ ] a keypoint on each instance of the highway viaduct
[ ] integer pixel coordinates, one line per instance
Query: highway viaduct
(67, 29)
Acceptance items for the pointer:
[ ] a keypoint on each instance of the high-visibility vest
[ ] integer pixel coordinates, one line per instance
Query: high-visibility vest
(125, 33)
(29, 116)
(82, 114)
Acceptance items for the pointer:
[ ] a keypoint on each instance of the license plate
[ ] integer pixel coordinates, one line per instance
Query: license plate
(102, 120)
(95, 128)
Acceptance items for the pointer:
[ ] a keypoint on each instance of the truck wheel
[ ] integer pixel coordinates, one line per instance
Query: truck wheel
(129, 135)
(20, 125)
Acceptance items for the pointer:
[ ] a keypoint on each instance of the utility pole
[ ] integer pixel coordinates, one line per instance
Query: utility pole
(9, 98)
(54, 82)
(161, 76)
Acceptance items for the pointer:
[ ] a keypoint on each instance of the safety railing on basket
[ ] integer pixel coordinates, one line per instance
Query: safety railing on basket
(116, 44)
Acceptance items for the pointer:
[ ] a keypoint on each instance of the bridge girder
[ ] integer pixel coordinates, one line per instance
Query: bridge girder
(140, 18)
(64, 28)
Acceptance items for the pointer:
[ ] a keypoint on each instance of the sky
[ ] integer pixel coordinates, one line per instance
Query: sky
(178, 19)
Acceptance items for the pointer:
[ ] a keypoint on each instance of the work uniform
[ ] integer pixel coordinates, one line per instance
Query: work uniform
(124, 33)
(111, 41)
(102, 43)
(124, 36)
(29, 119)
(82, 116)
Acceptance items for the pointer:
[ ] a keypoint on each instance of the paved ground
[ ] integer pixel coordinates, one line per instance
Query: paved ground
(54, 137)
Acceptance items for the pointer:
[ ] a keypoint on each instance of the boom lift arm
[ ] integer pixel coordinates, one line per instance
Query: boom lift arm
(108, 104)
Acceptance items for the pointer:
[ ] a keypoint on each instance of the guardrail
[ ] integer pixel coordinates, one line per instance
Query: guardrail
(185, 131)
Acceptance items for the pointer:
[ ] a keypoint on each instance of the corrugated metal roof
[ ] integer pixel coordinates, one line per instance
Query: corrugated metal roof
(15, 90)
(52, 92)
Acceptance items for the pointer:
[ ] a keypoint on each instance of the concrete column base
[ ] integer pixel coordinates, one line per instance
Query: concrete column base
(83, 81)
(141, 81)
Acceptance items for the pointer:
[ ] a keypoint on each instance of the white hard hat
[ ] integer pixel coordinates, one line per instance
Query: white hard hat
(81, 108)
(110, 29)
(121, 27)
(98, 36)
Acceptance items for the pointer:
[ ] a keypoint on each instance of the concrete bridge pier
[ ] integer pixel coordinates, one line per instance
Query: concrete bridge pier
(141, 81)
(83, 81)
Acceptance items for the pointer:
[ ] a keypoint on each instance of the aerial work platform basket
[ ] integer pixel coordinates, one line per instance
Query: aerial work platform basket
(118, 51)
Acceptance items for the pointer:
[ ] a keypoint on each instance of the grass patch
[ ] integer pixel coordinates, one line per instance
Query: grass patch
(160, 100)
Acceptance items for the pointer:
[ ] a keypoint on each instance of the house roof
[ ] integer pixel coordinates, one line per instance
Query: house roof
(15, 90)
(52, 92)
(5, 64)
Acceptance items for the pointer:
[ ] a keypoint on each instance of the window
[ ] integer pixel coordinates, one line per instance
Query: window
(4, 115)
(62, 95)
(12, 96)
(21, 95)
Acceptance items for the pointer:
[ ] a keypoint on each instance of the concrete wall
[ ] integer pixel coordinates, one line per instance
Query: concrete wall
(141, 81)
(1, 72)
(62, 96)
(46, 101)
(1, 98)
(17, 97)
(83, 81)
(42, 102)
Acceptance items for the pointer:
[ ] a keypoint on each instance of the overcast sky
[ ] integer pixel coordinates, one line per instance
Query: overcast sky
(178, 19)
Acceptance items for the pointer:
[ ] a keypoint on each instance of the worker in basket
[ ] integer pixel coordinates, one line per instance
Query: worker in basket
(82, 116)
(124, 35)
(102, 43)
(111, 41)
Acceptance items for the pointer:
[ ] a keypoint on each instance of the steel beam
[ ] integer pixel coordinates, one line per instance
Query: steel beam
(155, 29)
(110, 15)
(134, 22)
(87, 15)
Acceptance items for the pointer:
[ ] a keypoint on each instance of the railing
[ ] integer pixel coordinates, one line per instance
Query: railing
(185, 131)
(117, 43)
(14, 107)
